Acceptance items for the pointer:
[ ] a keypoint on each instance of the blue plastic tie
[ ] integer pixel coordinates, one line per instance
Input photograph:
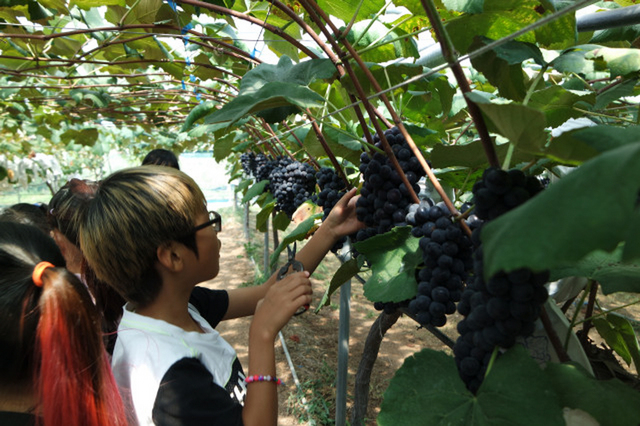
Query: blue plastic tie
(184, 86)
(192, 78)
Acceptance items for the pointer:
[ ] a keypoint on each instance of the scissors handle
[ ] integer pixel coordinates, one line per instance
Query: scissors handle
(296, 266)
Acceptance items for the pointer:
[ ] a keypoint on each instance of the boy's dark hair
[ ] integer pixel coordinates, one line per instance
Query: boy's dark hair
(134, 212)
(161, 157)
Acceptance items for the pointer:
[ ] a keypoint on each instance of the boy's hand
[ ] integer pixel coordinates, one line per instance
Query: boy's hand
(342, 220)
(280, 302)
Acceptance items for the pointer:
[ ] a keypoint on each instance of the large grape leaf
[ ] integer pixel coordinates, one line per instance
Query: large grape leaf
(558, 103)
(590, 209)
(503, 66)
(255, 190)
(468, 6)
(500, 18)
(469, 155)
(394, 257)
(301, 232)
(381, 42)
(286, 72)
(523, 126)
(606, 268)
(620, 61)
(618, 333)
(271, 95)
(345, 272)
(347, 9)
(516, 392)
(576, 146)
(610, 402)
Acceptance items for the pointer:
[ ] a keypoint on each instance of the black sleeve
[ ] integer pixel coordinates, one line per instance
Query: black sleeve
(211, 304)
(188, 397)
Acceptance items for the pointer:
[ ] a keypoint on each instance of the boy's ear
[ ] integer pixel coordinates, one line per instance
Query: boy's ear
(170, 256)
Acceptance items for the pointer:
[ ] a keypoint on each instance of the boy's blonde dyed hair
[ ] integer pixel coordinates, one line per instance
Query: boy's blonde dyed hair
(134, 212)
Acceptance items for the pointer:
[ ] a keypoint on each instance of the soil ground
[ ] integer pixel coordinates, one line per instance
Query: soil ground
(312, 339)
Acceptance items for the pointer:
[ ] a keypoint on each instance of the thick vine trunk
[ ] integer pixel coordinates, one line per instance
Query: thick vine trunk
(369, 356)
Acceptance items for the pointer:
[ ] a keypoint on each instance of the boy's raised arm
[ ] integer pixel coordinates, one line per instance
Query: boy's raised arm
(341, 221)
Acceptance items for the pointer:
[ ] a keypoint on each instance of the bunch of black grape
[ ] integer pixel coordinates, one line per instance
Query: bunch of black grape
(499, 191)
(291, 183)
(332, 188)
(384, 197)
(263, 168)
(446, 254)
(506, 306)
(248, 161)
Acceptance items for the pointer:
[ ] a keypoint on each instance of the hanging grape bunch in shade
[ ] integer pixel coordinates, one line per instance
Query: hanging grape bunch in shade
(332, 188)
(291, 183)
(506, 306)
(248, 161)
(385, 199)
(446, 255)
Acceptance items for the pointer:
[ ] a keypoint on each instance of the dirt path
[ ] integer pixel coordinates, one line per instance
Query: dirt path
(312, 340)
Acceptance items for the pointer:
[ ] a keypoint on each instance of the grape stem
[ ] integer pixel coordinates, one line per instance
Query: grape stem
(588, 313)
(494, 356)
(575, 315)
(448, 53)
(553, 336)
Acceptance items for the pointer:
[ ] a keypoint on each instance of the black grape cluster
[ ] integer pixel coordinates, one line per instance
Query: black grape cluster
(499, 191)
(506, 306)
(447, 257)
(384, 197)
(291, 183)
(248, 161)
(264, 167)
(332, 188)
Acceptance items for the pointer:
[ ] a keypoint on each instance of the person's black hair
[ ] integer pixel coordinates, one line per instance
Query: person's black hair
(161, 157)
(28, 214)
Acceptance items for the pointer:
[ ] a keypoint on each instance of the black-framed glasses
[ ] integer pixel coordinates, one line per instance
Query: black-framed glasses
(215, 220)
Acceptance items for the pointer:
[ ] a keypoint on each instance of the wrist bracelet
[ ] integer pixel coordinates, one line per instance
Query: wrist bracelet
(251, 379)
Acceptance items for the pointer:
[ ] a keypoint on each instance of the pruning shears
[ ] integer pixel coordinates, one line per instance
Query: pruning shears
(295, 266)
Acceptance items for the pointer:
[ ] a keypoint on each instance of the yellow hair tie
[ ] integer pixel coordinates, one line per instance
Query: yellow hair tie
(36, 276)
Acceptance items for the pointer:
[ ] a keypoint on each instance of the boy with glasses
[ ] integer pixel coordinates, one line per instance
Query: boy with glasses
(147, 233)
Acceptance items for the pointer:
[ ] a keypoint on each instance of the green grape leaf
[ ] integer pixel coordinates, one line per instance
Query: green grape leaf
(523, 126)
(262, 218)
(286, 72)
(612, 335)
(558, 103)
(467, 6)
(281, 221)
(620, 61)
(300, 233)
(381, 43)
(394, 257)
(614, 93)
(222, 146)
(543, 243)
(345, 272)
(270, 95)
(516, 392)
(347, 9)
(470, 155)
(608, 269)
(200, 111)
(255, 190)
(610, 402)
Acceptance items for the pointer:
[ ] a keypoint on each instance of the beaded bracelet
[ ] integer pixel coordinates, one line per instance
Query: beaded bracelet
(251, 379)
